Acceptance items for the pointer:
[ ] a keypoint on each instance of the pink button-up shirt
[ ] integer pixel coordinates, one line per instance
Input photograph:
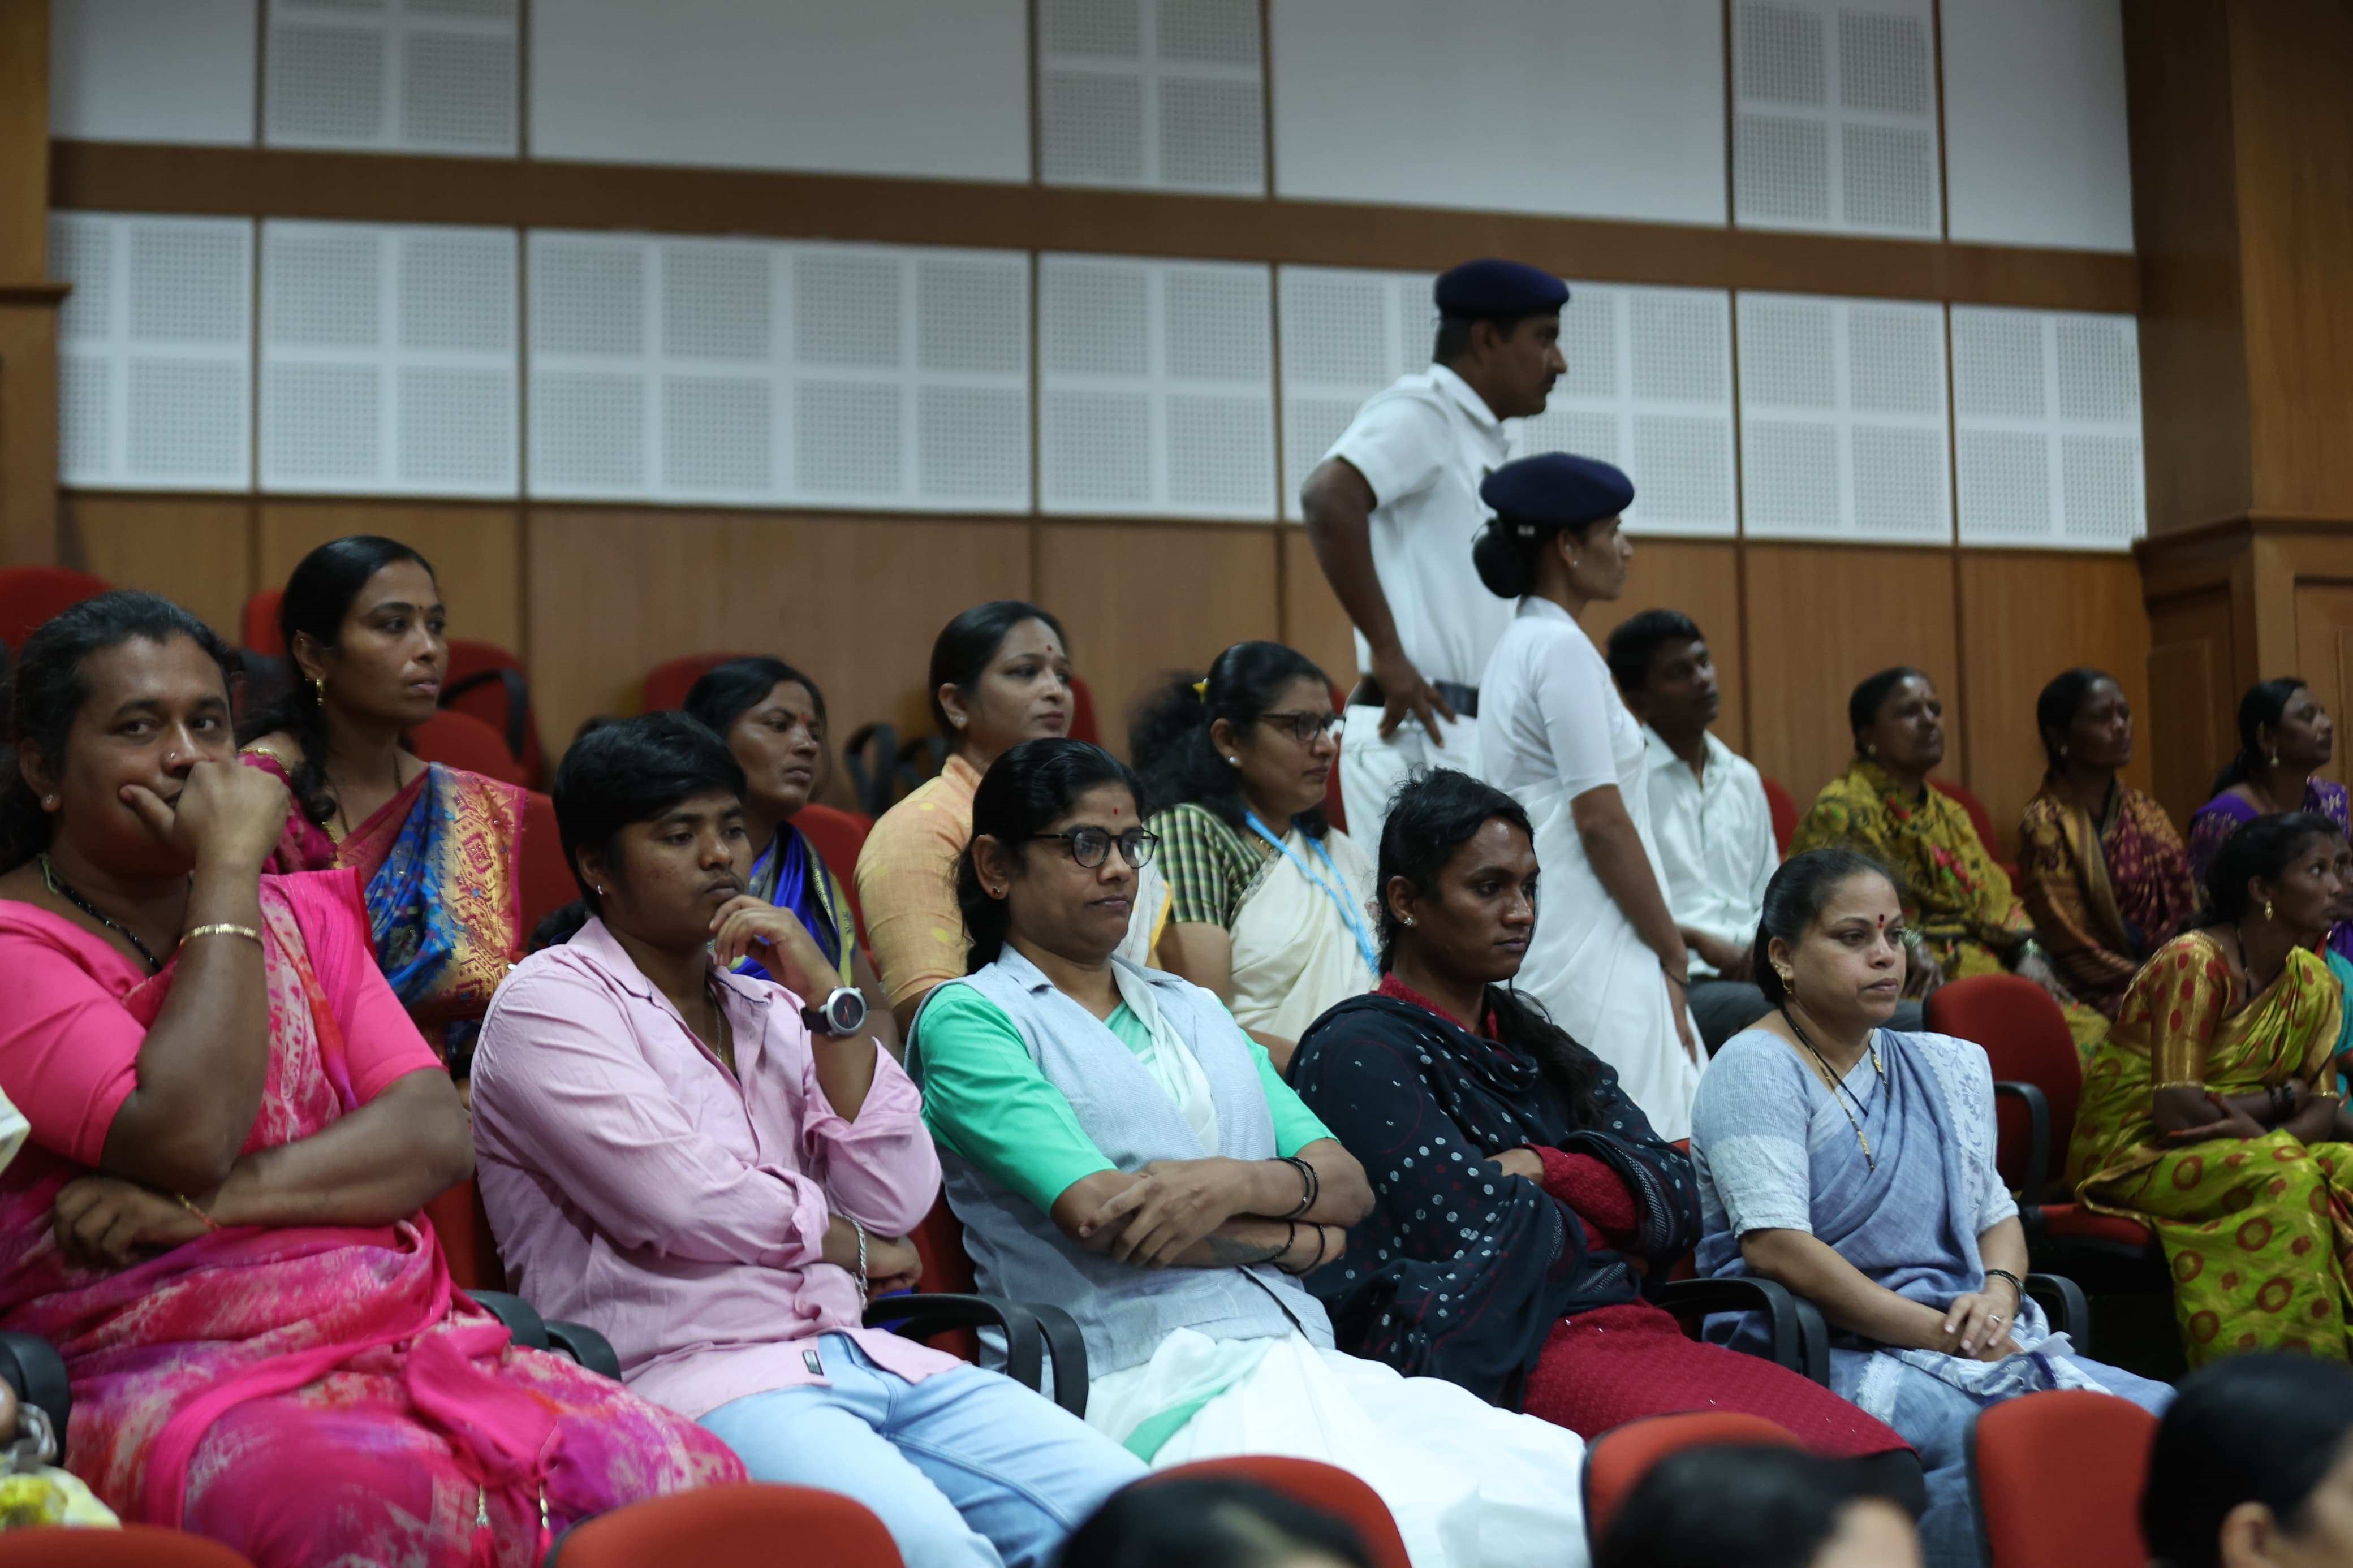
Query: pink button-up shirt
(637, 1186)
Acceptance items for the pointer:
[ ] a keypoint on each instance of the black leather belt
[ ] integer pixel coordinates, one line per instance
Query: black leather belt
(1463, 699)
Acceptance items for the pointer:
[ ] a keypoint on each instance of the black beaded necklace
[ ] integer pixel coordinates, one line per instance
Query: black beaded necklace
(66, 890)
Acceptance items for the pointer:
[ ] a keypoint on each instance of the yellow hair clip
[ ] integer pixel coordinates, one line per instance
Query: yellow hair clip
(1201, 689)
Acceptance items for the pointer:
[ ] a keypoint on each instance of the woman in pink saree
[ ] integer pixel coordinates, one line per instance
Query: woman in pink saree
(234, 1125)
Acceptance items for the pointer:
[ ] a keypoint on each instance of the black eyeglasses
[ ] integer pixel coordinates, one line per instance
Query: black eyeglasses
(1303, 727)
(1090, 846)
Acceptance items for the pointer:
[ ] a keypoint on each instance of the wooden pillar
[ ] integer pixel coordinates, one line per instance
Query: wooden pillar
(28, 302)
(2243, 198)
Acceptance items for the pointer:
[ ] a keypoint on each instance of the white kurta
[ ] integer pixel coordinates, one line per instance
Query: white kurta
(1552, 727)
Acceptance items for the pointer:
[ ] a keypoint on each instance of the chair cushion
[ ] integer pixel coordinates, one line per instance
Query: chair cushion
(2073, 1222)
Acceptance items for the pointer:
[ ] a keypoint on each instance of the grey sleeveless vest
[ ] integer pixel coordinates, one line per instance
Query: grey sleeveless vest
(1017, 1252)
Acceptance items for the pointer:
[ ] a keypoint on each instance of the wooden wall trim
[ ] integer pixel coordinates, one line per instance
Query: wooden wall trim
(97, 176)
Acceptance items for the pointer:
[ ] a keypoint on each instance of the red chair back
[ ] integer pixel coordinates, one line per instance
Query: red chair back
(948, 1268)
(1082, 712)
(547, 880)
(260, 622)
(2058, 1479)
(668, 682)
(2025, 1037)
(488, 701)
(1783, 807)
(1327, 1487)
(463, 1226)
(837, 835)
(1616, 1462)
(746, 1526)
(31, 594)
(132, 1546)
(1980, 818)
(457, 739)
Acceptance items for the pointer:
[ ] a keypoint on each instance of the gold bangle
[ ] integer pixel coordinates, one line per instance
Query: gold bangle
(185, 1203)
(220, 928)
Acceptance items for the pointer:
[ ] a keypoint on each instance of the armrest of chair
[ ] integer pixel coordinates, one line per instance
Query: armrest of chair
(522, 1319)
(585, 1345)
(2038, 1136)
(2064, 1304)
(1067, 1348)
(1801, 1341)
(920, 1316)
(34, 1369)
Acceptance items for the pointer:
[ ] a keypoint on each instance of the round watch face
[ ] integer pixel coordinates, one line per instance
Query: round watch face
(843, 1013)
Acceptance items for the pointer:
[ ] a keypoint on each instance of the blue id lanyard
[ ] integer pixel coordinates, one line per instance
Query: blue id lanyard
(1334, 890)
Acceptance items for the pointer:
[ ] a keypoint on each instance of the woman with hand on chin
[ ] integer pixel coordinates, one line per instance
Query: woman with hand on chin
(773, 718)
(1113, 1141)
(1518, 1192)
(1271, 906)
(673, 1154)
(1961, 914)
(234, 1127)
(1856, 1165)
(435, 846)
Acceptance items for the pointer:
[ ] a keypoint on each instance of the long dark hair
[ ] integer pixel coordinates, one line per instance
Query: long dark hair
(47, 690)
(2055, 710)
(1169, 736)
(2264, 704)
(2264, 1428)
(1794, 901)
(1864, 702)
(2262, 846)
(1213, 1521)
(318, 595)
(726, 693)
(1434, 812)
(960, 654)
(1024, 793)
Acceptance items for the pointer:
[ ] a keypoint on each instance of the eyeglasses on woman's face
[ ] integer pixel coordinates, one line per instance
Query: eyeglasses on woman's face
(1303, 726)
(1090, 846)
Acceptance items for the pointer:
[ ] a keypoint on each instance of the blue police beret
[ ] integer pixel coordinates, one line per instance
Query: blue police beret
(1497, 290)
(1556, 491)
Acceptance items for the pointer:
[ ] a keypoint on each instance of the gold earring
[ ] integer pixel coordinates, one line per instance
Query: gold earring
(2267, 909)
(2275, 756)
(319, 684)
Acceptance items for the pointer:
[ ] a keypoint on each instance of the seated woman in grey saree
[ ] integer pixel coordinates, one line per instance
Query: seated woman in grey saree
(1854, 1165)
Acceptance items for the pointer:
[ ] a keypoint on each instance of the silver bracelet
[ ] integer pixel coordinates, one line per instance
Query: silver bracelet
(862, 1258)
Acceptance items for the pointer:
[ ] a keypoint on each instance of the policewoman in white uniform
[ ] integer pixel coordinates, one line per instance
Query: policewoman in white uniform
(1393, 510)
(1606, 959)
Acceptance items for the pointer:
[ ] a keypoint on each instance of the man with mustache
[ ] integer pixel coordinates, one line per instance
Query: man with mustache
(718, 1179)
(1393, 509)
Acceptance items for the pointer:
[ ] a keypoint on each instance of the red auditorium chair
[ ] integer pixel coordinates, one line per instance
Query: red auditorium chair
(738, 1526)
(464, 1227)
(668, 683)
(2057, 1479)
(132, 1546)
(1328, 1488)
(1981, 818)
(31, 595)
(485, 681)
(261, 622)
(1784, 808)
(2038, 1080)
(837, 835)
(547, 884)
(1616, 1462)
(1082, 712)
(461, 741)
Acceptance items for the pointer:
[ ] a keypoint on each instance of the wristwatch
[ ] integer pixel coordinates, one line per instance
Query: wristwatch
(841, 1014)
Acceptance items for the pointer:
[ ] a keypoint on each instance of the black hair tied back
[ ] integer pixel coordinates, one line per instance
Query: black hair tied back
(1795, 899)
(1169, 735)
(1024, 793)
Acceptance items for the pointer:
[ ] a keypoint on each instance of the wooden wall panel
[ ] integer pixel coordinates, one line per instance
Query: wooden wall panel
(197, 550)
(2024, 618)
(23, 141)
(613, 591)
(1822, 617)
(1139, 600)
(28, 412)
(476, 550)
(2193, 697)
(2324, 636)
(1312, 620)
(1701, 577)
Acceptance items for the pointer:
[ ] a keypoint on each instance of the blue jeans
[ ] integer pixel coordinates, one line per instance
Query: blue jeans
(966, 1469)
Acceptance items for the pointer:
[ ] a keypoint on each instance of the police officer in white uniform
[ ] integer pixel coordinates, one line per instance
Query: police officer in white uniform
(1393, 510)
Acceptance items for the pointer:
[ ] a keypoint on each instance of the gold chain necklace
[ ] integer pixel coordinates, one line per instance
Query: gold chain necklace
(1838, 1091)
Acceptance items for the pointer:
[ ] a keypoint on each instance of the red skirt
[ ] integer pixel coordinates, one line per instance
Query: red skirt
(1615, 1364)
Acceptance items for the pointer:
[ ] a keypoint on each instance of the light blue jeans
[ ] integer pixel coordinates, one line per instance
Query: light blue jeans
(966, 1469)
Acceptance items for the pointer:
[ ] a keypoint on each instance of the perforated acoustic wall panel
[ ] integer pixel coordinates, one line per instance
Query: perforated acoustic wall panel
(739, 370)
(1344, 335)
(1161, 93)
(420, 75)
(1842, 419)
(1648, 388)
(2046, 428)
(155, 352)
(389, 359)
(1158, 394)
(1835, 116)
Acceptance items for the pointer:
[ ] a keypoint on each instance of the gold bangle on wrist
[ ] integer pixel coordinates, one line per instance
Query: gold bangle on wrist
(188, 1203)
(220, 928)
